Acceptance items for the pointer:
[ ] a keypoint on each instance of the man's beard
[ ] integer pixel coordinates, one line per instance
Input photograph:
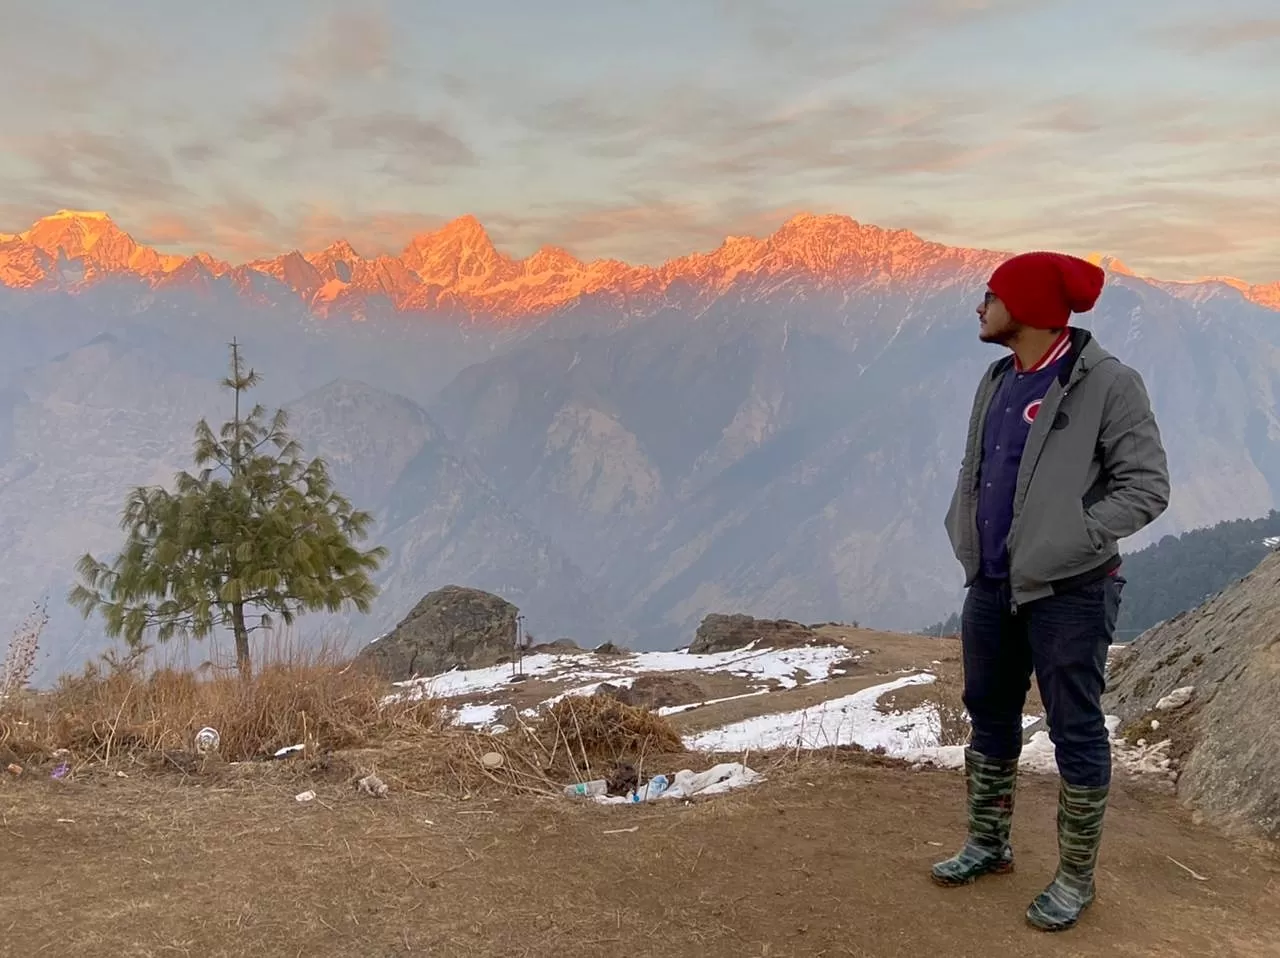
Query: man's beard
(1003, 337)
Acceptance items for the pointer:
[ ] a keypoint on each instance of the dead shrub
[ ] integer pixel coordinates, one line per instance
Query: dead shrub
(598, 729)
(950, 722)
(20, 658)
(297, 696)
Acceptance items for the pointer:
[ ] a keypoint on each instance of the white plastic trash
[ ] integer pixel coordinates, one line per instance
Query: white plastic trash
(587, 789)
(207, 740)
(306, 796)
(719, 778)
(647, 793)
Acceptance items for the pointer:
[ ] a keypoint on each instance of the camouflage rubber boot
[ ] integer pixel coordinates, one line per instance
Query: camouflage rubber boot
(1080, 813)
(991, 784)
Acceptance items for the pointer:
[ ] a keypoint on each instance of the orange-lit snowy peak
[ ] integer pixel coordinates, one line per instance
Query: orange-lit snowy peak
(457, 267)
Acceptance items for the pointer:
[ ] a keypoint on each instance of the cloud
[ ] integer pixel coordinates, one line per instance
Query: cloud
(97, 165)
(402, 134)
(904, 21)
(345, 46)
(240, 228)
(1222, 36)
(371, 233)
(197, 152)
(171, 230)
(644, 228)
(1173, 231)
(689, 135)
(68, 65)
(836, 40)
(291, 114)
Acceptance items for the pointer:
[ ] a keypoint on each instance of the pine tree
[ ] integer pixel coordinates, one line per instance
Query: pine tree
(257, 533)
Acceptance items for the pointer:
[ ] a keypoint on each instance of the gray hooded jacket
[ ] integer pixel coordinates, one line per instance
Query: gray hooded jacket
(1093, 472)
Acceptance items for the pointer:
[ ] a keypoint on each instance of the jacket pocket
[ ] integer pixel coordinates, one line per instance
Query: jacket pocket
(1059, 546)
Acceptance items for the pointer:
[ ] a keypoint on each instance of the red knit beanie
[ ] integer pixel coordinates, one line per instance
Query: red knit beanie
(1042, 290)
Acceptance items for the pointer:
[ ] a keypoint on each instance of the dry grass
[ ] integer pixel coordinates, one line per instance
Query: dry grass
(119, 707)
(126, 709)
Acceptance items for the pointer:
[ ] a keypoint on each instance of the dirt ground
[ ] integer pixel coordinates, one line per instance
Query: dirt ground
(829, 857)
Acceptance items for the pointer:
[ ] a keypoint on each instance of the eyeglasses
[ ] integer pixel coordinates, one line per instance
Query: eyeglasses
(989, 298)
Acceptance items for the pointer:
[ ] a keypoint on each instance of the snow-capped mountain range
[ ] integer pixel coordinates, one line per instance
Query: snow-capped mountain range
(771, 427)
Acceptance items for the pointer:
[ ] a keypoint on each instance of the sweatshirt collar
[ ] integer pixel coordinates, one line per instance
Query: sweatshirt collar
(1061, 346)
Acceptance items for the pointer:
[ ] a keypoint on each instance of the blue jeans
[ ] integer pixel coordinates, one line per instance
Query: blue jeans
(1064, 640)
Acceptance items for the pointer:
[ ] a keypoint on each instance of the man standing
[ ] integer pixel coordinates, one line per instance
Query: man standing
(1063, 460)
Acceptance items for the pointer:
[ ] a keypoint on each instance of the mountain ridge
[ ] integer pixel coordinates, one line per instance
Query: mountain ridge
(456, 268)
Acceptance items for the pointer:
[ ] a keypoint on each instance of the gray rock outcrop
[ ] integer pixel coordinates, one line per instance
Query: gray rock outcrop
(720, 633)
(453, 627)
(1227, 733)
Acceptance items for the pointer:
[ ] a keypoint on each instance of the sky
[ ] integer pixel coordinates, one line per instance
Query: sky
(645, 129)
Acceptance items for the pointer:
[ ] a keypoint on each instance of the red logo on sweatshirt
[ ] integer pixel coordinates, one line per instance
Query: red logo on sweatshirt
(1029, 414)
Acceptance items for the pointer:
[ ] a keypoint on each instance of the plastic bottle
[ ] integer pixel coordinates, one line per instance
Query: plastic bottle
(587, 789)
(647, 793)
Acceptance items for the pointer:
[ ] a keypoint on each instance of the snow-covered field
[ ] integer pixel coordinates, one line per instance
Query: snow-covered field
(478, 697)
(850, 720)
(785, 667)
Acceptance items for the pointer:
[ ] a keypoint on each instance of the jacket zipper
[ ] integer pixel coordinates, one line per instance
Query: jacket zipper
(1013, 603)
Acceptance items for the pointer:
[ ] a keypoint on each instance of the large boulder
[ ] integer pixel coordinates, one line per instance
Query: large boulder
(721, 633)
(1224, 732)
(453, 627)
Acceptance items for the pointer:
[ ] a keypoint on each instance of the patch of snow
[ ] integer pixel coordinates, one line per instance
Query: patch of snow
(467, 681)
(677, 709)
(782, 666)
(592, 689)
(851, 720)
(477, 715)
(1039, 756)
(288, 750)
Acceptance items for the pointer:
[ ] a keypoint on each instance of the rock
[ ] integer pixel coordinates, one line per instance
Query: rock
(558, 647)
(1176, 699)
(1221, 662)
(372, 786)
(453, 627)
(492, 760)
(610, 648)
(656, 691)
(721, 633)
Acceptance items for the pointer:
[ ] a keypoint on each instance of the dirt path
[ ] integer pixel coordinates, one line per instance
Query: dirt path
(829, 858)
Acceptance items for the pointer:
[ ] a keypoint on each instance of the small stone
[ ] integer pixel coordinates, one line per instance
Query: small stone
(492, 760)
(1155, 725)
(307, 796)
(14, 769)
(373, 786)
